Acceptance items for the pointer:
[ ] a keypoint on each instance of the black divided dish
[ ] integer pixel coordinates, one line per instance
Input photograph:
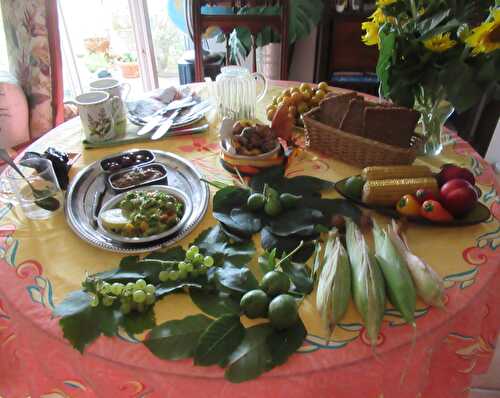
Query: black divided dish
(126, 160)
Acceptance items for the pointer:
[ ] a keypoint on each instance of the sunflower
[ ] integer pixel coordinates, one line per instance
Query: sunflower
(378, 17)
(439, 43)
(383, 3)
(486, 37)
(370, 37)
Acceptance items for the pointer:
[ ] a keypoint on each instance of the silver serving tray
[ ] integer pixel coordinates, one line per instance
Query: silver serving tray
(81, 192)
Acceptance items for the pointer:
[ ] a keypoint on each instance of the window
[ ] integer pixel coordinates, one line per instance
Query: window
(132, 40)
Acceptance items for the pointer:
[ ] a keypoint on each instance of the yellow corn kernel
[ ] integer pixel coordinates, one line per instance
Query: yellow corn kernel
(388, 192)
(387, 172)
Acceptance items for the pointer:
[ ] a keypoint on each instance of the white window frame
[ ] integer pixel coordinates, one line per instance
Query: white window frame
(144, 42)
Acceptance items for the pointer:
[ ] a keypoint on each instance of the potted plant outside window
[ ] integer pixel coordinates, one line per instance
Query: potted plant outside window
(129, 66)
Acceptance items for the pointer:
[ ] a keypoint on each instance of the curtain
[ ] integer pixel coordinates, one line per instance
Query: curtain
(33, 46)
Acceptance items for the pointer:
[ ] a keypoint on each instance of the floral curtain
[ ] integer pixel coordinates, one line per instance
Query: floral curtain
(34, 54)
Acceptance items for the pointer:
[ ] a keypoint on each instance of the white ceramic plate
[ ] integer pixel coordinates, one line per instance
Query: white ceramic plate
(113, 202)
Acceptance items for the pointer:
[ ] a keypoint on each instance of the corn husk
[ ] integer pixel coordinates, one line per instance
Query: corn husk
(317, 263)
(334, 286)
(367, 282)
(429, 285)
(399, 283)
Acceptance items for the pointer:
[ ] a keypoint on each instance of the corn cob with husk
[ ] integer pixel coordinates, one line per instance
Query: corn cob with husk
(367, 282)
(428, 284)
(400, 288)
(334, 286)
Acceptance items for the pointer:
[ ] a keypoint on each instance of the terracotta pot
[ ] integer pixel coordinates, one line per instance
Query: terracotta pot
(130, 70)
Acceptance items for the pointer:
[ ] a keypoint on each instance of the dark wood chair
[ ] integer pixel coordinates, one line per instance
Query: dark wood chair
(254, 23)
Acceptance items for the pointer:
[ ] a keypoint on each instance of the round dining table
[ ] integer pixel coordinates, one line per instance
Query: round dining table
(42, 261)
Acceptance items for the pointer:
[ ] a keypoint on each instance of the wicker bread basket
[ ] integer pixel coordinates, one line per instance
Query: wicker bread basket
(353, 149)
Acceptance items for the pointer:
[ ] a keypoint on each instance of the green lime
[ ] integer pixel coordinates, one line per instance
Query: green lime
(254, 303)
(283, 311)
(256, 201)
(354, 186)
(289, 201)
(273, 207)
(275, 282)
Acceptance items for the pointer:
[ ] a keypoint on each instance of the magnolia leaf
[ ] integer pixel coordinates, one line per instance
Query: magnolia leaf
(228, 198)
(252, 357)
(301, 220)
(81, 323)
(136, 322)
(214, 303)
(283, 343)
(239, 280)
(332, 207)
(177, 339)
(299, 275)
(213, 242)
(269, 241)
(267, 261)
(219, 340)
(165, 288)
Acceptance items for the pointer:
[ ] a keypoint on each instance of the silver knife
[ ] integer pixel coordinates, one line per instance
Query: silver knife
(149, 126)
(164, 127)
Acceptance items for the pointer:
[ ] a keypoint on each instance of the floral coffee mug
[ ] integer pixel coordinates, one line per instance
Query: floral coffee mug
(115, 88)
(96, 113)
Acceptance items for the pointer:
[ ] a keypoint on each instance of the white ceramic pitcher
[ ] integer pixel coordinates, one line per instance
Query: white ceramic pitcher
(235, 92)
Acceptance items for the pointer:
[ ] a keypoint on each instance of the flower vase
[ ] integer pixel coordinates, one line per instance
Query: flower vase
(434, 112)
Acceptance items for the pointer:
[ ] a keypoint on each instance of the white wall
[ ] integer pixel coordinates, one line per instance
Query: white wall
(302, 64)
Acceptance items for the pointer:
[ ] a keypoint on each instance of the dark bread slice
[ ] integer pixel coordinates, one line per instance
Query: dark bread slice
(353, 120)
(333, 108)
(390, 125)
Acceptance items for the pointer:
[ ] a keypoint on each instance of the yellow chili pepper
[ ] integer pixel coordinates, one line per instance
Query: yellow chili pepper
(408, 206)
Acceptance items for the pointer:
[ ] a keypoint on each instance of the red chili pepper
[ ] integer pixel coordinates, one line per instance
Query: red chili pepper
(434, 211)
(424, 194)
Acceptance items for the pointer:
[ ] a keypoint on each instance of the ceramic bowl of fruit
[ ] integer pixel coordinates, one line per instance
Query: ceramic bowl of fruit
(298, 100)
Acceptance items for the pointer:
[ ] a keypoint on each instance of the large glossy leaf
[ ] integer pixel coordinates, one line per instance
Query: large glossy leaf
(238, 280)
(82, 323)
(215, 243)
(228, 198)
(267, 261)
(137, 322)
(177, 339)
(300, 276)
(252, 357)
(284, 343)
(214, 303)
(269, 241)
(219, 340)
(332, 207)
(301, 220)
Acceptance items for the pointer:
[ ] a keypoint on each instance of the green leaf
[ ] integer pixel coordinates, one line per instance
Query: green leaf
(176, 253)
(213, 242)
(267, 261)
(385, 59)
(229, 198)
(81, 324)
(239, 280)
(300, 185)
(332, 207)
(177, 339)
(165, 288)
(252, 357)
(426, 25)
(214, 303)
(300, 276)
(283, 343)
(301, 220)
(269, 241)
(136, 322)
(219, 340)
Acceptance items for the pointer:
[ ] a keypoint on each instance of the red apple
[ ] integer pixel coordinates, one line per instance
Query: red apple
(450, 171)
(458, 196)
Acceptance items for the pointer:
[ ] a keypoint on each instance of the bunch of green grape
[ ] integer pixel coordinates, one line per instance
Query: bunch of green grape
(134, 296)
(194, 264)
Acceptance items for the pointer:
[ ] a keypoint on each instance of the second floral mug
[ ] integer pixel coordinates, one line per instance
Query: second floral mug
(96, 111)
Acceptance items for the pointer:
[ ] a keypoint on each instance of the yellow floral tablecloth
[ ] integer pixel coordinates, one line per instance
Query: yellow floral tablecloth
(42, 261)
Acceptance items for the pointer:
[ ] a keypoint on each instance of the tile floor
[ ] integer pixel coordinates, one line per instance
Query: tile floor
(488, 385)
